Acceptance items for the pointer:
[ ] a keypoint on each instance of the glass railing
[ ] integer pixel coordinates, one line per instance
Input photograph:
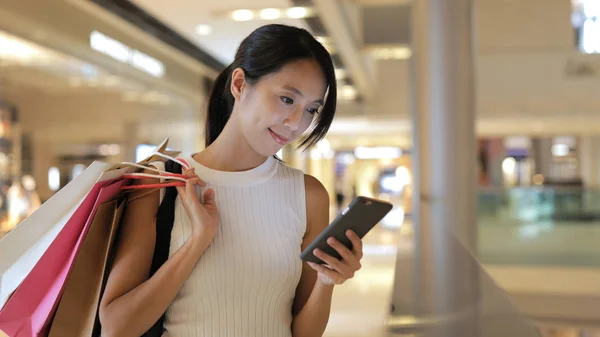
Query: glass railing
(441, 290)
(539, 226)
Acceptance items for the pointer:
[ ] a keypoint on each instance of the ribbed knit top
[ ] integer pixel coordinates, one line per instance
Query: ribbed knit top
(245, 282)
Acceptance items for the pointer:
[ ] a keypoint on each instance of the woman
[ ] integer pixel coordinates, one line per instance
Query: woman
(234, 267)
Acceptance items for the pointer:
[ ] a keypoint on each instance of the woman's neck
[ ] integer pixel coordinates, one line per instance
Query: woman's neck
(230, 152)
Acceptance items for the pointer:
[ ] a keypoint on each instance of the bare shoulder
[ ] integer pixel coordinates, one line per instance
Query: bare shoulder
(316, 193)
(317, 204)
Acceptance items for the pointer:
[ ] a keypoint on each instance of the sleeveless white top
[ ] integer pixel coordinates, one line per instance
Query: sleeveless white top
(244, 284)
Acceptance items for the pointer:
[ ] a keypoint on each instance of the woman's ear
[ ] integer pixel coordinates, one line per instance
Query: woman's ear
(238, 82)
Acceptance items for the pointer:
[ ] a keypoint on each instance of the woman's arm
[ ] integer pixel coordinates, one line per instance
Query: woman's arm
(312, 303)
(132, 302)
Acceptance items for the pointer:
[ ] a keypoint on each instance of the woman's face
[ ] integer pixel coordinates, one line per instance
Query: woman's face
(279, 107)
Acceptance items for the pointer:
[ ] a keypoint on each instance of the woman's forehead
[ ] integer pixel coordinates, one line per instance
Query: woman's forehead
(307, 78)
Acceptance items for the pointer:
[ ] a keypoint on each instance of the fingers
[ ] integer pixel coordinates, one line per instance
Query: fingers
(344, 252)
(357, 244)
(190, 186)
(340, 266)
(191, 174)
(330, 260)
(330, 274)
(209, 197)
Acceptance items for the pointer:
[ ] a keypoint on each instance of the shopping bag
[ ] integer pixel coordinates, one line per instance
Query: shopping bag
(23, 247)
(30, 309)
(77, 313)
(78, 307)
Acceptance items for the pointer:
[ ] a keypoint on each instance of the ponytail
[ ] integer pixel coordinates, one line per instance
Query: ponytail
(220, 106)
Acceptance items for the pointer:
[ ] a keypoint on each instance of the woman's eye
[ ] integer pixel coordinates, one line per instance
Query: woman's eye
(287, 100)
(313, 111)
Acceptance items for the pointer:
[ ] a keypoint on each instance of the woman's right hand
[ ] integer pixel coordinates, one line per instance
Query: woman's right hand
(203, 214)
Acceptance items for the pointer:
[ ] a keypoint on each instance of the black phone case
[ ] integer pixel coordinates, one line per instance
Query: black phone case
(360, 216)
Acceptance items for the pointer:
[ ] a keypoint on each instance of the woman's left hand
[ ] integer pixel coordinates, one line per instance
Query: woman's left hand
(337, 271)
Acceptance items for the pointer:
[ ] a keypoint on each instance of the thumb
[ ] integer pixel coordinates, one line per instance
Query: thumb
(209, 197)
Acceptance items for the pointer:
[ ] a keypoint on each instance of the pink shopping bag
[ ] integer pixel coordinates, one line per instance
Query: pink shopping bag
(30, 309)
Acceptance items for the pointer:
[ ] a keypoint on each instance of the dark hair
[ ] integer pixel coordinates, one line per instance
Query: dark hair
(265, 51)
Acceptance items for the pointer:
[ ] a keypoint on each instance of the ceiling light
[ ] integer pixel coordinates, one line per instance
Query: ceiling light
(242, 15)
(560, 150)
(270, 14)
(348, 92)
(121, 52)
(402, 53)
(393, 53)
(16, 49)
(203, 30)
(297, 12)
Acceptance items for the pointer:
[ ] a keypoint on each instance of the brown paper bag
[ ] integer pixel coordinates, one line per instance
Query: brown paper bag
(78, 307)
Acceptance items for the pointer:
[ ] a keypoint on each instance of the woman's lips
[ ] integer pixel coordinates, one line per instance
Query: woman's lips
(278, 139)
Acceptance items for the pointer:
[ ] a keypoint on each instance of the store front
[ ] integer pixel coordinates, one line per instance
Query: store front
(347, 171)
(88, 89)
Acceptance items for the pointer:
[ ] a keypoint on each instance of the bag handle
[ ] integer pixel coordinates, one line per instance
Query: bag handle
(146, 186)
(169, 176)
(179, 161)
(174, 179)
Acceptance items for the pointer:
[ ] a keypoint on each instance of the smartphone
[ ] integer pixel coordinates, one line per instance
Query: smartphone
(360, 216)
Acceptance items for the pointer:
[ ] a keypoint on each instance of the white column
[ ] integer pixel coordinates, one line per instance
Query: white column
(438, 285)
(444, 120)
(542, 157)
(130, 141)
(44, 159)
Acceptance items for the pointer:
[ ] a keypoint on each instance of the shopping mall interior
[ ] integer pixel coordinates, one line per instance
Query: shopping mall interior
(493, 100)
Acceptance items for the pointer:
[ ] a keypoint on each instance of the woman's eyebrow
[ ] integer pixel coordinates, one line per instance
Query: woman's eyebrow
(297, 91)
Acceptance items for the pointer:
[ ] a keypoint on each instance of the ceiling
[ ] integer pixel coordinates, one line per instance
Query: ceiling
(27, 66)
(185, 15)
(225, 34)
(31, 69)
(529, 67)
(528, 72)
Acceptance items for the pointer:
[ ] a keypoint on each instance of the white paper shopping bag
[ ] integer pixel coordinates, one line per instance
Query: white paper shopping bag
(22, 247)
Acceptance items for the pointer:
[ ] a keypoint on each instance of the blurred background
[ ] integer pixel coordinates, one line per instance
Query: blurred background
(87, 80)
